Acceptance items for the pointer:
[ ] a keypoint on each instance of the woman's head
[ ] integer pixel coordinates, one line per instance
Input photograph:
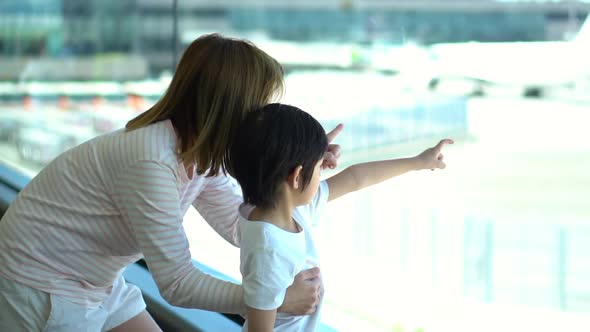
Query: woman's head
(217, 81)
(269, 146)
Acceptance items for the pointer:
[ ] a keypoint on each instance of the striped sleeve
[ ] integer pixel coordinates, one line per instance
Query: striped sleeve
(148, 197)
(218, 203)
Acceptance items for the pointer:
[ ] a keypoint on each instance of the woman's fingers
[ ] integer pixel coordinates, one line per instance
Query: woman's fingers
(332, 134)
(333, 152)
(309, 274)
(334, 149)
(329, 161)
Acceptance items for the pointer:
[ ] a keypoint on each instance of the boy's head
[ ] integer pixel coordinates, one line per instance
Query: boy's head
(274, 144)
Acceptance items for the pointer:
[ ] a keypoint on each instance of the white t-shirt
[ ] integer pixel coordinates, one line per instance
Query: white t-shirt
(270, 257)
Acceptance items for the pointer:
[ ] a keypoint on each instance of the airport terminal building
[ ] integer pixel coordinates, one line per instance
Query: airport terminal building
(145, 28)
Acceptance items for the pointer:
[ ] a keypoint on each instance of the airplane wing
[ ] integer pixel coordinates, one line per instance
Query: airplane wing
(526, 65)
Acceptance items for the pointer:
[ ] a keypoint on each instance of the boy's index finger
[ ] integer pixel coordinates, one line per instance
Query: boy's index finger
(335, 132)
(442, 142)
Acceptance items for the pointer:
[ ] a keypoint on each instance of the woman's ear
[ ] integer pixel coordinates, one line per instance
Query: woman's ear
(294, 177)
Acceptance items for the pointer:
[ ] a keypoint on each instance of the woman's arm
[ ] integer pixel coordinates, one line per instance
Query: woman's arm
(362, 175)
(148, 199)
(218, 203)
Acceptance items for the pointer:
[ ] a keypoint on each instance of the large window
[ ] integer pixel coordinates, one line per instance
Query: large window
(498, 241)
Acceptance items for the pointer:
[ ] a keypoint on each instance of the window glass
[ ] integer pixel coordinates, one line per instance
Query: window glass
(503, 232)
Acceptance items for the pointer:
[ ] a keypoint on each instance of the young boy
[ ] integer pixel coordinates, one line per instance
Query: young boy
(276, 157)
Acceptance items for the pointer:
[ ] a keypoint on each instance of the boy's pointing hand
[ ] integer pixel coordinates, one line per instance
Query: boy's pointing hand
(432, 158)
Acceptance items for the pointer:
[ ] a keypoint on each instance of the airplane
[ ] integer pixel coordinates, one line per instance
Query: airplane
(532, 67)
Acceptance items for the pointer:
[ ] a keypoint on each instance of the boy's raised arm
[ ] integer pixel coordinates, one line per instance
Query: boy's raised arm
(362, 175)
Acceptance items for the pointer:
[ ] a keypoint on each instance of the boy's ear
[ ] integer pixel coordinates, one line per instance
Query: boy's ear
(294, 177)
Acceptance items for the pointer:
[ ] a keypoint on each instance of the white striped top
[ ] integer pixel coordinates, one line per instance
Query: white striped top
(103, 205)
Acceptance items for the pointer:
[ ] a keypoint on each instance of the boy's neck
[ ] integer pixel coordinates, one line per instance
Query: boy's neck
(280, 216)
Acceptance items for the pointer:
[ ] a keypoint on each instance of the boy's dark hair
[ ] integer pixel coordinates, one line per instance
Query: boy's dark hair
(269, 144)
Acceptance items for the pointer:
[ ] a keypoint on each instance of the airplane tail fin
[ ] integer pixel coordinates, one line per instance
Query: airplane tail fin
(584, 33)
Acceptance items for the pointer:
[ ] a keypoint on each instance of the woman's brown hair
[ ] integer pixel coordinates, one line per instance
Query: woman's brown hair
(217, 81)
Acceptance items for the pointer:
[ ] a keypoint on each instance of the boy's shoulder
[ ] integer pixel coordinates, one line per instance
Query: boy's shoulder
(263, 232)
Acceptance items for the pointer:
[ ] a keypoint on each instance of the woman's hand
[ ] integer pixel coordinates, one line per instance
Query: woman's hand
(333, 153)
(303, 295)
(432, 158)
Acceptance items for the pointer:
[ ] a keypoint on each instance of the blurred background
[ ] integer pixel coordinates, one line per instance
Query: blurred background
(498, 241)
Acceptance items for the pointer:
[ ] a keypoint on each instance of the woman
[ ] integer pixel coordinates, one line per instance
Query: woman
(103, 205)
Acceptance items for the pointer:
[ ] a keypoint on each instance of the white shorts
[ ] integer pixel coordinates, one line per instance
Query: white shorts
(23, 308)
